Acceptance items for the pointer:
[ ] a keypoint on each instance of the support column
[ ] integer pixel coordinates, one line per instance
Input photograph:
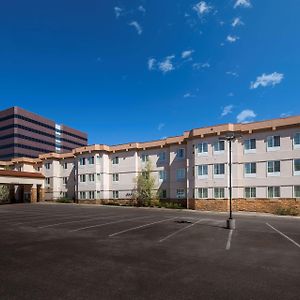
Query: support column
(33, 198)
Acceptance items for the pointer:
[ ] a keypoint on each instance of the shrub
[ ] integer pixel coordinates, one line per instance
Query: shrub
(286, 211)
(64, 200)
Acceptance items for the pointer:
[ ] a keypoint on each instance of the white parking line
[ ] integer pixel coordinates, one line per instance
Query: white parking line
(76, 221)
(109, 223)
(142, 226)
(281, 233)
(177, 231)
(228, 245)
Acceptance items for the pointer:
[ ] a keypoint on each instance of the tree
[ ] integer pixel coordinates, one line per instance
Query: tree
(145, 187)
(4, 193)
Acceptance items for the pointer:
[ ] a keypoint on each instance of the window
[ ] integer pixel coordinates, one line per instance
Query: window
(274, 168)
(82, 195)
(297, 140)
(180, 153)
(162, 175)
(202, 148)
(98, 177)
(219, 146)
(98, 159)
(273, 192)
(180, 193)
(219, 170)
(82, 161)
(47, 181)
(219, 192)
(145, 157)
(250, 169)
(163, 194)
(91, 177)
(297, 191)
(202, 193)
(297, 167)
(115, 194)
(115, 160)
(250, 192)
(82, 178)
(115, 177)
(91, 160)
(161, 156)
(91, 195)
(65, 166)
(65, 180)
(98, 194)
(180, 174)
(203, 171)
(250, 146)
(273, 143)
(47, 166)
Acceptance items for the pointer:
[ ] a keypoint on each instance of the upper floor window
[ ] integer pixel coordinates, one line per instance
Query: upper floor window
(273, 143)
(162, 175)
(273, 192)
(297, 140)
(162, 156)
(47, 181)
(82, 161)
(65, 166)
(203, 171)
(250, 145)
(297, 167)
(180, 174)
(65, 180)
(219, 146)
(47, 166)
(202, 193)
(91, 160)
(180, 193)
(250, 192)
(202, 148)
(115, 177)
(219, 170)
(82, 178)
(115, 160)
(250, 169)
(91, 177)
(145, 157)
(274, 168)
(180, 153)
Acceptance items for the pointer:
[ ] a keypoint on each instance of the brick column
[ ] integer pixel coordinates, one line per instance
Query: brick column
(33, 194)
(42, 194)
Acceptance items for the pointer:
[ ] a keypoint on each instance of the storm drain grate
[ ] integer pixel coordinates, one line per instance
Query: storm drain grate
(183, 222)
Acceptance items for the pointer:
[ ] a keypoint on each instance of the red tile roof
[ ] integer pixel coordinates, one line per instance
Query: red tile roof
(9, 173)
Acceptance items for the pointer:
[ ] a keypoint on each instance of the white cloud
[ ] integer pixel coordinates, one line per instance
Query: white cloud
(227, 110)
(232, 38)
(166, 65)
(137, 26)
(237, 22)
(188, 95)
(231, 94)
(285, 115)
(246, 116)
(160, 126)
(151, 63)
(232, 73)
(118, 11)
(187, 53)
(142, 9)
(242, 3)
(202, 8)
(267, 80)
(198, 66)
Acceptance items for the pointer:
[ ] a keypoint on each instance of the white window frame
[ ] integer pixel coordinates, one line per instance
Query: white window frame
(115, 177)
(91, 177)
(296, 146)
(145, 158)
(217, 145)
(82, 161)
(82, 178)
(115, 194)
(91, 160)
(201, 194)
(180, 174)
(277, 173)
(115, 160)
(217, 192)
(245, 169)
(296, 172)
(202, 168)
(273, 147)
(295, 192)
(219, 175)
(269, 188)
(201, 146)
(48, 166)
(164, 175)
(251, 189)
(249, 150)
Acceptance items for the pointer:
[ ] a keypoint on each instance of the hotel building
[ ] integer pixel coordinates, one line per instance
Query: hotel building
(24, 134)
(191, 168)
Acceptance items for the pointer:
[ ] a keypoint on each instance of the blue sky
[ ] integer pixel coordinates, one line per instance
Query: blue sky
(146, 69)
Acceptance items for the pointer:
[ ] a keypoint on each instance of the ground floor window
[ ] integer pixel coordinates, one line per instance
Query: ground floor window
(180, 193)
(163, 194)
(98, 194)
(82, 195)
(273, 192)
(202, 193)
(219, 192)
(115, 194)
(91, 195)
(250, 192)
(297, 191)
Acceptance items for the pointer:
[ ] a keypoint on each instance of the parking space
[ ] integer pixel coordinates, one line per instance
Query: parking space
(58, 251)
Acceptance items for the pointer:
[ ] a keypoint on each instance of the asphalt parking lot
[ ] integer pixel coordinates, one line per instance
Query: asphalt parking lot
(62, 251)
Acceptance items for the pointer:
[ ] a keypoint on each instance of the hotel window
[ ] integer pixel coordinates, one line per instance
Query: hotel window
(274, 168)
(250, 146)
(91, 177)
(180, 174)
(219, 192)
(273, 143)
(115, 177)
(297, 140)
(297, 167)
(115, 194)
(203, 171)
(115, 160)
(161, 156)
(180, 153)
(98, 194)
(219, 146)
(250, 169)
(65, 180)
(250, 192)
(91, 160)
(82, 161)
(163, 194)
(47, 181)
(91, 195)
(180, 193)
(47, 166)
(219, 170)
(65, 166)
(297, 191)
(273, 192)
(202, 193)
(82, 195)
(162, 175)
(145, 157)
(98, 177)
(82, 178)
(202, 148)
